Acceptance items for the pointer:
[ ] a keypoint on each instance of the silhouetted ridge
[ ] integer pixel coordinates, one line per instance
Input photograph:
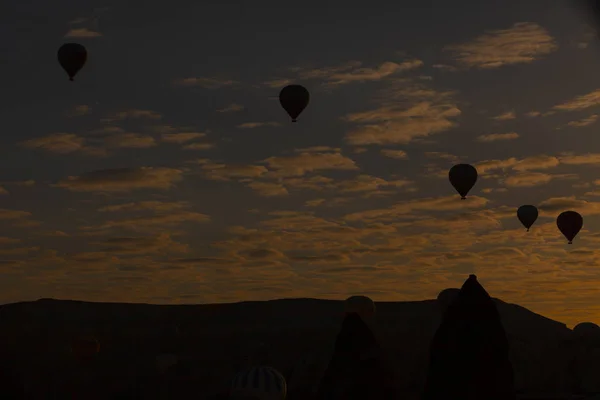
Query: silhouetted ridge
(469, 351)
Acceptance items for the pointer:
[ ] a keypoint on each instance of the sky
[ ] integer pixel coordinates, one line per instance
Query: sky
(168, 172)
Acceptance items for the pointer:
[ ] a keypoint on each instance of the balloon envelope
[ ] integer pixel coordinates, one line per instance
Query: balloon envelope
(569, 223)
(527, 214)
(259, 382)
(463, 178)
(294, 99)
(362, 305)
(72, 57)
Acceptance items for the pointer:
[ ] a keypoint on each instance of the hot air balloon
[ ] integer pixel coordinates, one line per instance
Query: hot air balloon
(85, 348)
(527, 214)
(262, 383)
(463, 178)
(72, 57)
(569, 223)
(294, 99)
(587, 329)
(362, 305)
(447, 297)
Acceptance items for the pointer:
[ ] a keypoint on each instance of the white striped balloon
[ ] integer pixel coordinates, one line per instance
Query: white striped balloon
(264, 383)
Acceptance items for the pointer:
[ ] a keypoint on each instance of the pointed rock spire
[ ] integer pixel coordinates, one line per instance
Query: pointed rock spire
(469, 351)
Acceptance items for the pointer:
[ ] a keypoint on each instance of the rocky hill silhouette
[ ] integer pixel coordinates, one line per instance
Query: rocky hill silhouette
(214, 340)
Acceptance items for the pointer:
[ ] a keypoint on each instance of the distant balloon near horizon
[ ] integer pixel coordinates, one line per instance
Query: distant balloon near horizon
(446, 297)
(463, 177)
(294, 99)
(587, 329)
(527, 214)
(362, 305)
(569, 223)
(72, 57)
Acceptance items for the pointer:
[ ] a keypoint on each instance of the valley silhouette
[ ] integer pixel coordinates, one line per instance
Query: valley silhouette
(462, 345)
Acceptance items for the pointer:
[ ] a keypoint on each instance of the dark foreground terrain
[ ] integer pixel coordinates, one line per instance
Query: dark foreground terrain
(214, 340)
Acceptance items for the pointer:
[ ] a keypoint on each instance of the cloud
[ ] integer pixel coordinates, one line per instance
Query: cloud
(554, 206)
(521, 170)
(82, 33)
(526, 164)
(60, 143)
(162, 243)
(121, 115)
(497, 136)
(111, 137)
(225, 172)
(6, 214)
(129, 141)
(406, 208)
(207, 83)
(506, 116)
(524, 42)
(584, 121)
(6, 240)
(181, 137)
(123, 180)
(372, 74)
(79, 110)
(199, 146)
(251, 125)
(582, 159)
(581, 102)
(145, 223)
(528, 179)
(151, 205)
(445, 67)
(441, 155)
(408, 111)
(367, 183)
(153, 215)
(349, 72)
(233, 107)
(353, 71)
(278, 83)
(308, 161)
(399, 154)
(268, 189)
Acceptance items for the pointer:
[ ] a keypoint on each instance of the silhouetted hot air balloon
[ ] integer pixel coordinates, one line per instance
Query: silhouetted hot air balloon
(72, 57)
(362, 305)
(569, 223)
(294, 99)
(527, 214)
(261, 383)
(463, 178)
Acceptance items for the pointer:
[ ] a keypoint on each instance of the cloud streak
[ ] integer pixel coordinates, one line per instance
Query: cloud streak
(524, 42)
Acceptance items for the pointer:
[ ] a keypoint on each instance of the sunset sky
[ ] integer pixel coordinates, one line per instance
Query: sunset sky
(169, 173)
